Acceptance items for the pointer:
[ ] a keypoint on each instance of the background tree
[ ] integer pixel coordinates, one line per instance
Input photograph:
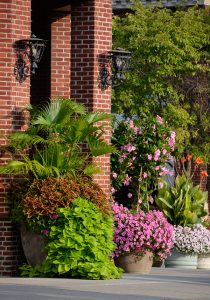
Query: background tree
(170, 71)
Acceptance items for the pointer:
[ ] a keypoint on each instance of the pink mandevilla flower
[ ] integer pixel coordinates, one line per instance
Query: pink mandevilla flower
(113, 190)
(114, 175)
(157, 154)
(159, 119)
(149, 156)
(145, 175)
(127, 180)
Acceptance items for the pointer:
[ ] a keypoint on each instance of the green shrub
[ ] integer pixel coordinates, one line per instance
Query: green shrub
(183, 204)
(80, 245)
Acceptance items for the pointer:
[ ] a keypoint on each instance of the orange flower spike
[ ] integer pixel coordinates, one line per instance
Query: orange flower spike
(204, 174)
(183, 159)
(198, 160)
(189, 156)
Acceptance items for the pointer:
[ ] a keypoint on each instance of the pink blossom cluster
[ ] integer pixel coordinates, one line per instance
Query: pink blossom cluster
(137, 130)
(159, 119)
(127, 180)
(129, 148)
(172, 139)
(140, 232)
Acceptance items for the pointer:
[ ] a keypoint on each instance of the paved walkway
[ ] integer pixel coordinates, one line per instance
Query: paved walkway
(161, 283)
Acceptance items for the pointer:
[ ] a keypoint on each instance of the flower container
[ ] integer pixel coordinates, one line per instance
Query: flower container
(182, 260)
(138, 234)
(133, 263)
(33, 246)
(204, 261)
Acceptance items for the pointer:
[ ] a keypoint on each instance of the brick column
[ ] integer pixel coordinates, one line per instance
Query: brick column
(91, 36)
(198, 179)
(60, 54)
(14, 24)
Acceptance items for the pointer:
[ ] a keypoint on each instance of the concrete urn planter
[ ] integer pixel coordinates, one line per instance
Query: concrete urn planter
(182, 260)
(204, 261)
(132, 263)
(33, 246)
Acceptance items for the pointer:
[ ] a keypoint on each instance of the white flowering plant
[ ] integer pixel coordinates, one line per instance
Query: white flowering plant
(144, 146)
(195, 239)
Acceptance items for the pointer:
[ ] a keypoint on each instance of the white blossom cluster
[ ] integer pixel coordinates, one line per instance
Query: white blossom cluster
(195, 239)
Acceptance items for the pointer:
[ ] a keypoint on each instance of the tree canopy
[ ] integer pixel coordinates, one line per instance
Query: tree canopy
(170, 71)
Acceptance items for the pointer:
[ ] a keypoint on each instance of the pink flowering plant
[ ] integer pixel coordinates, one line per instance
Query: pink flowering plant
(145, 144)
(195, 239)
(141, 232)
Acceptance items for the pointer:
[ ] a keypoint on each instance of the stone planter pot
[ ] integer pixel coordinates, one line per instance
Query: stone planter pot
(33, 246)
(182, 260)
(204, 261)
(132, 263)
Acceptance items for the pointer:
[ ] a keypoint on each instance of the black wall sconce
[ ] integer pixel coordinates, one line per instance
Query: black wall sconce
(113, 72)
(28, 50)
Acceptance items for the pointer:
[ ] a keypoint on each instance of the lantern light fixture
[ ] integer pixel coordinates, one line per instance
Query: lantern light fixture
(113, 73)
(31, 49)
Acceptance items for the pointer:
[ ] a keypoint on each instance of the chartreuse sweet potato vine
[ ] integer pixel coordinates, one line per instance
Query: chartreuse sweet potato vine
(80, 245)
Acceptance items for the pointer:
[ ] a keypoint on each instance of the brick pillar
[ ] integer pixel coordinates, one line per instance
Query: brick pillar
(60, 54)
(198, 179)
(202, 181)
(14, 24)
(91, 36)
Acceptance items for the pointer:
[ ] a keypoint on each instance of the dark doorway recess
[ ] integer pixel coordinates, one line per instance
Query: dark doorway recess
(41, 27)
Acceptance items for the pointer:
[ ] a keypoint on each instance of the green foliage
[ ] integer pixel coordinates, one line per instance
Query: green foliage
(183, 204)
(55, 139)
(42, 199)
(80, 245)
(170, 71)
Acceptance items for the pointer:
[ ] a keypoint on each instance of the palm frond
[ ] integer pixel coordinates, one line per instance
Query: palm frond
(21, 140)
(14, 167)
(58, 112)
(92, 169)
(100, 147)
(73, 107)
(94, 117)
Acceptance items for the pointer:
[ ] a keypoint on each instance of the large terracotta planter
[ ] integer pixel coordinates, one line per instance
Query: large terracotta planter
(132, 263)
(204, 261)
(33, 246)
(182, 260)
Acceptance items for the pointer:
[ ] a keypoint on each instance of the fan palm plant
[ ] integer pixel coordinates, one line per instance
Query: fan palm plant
(56, 137)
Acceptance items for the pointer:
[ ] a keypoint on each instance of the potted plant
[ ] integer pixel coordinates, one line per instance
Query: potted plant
(184, 206)
(79, 245)
(189, 242)
(57, 172)
(139, 238)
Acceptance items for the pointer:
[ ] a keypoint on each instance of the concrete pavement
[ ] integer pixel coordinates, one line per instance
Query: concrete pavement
(160, 284)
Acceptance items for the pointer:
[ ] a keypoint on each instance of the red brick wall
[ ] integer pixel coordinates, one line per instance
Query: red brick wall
(198, 179)
(91, 37)
(78, 38)
(202, 181)
(14, 25)
(60, 54)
